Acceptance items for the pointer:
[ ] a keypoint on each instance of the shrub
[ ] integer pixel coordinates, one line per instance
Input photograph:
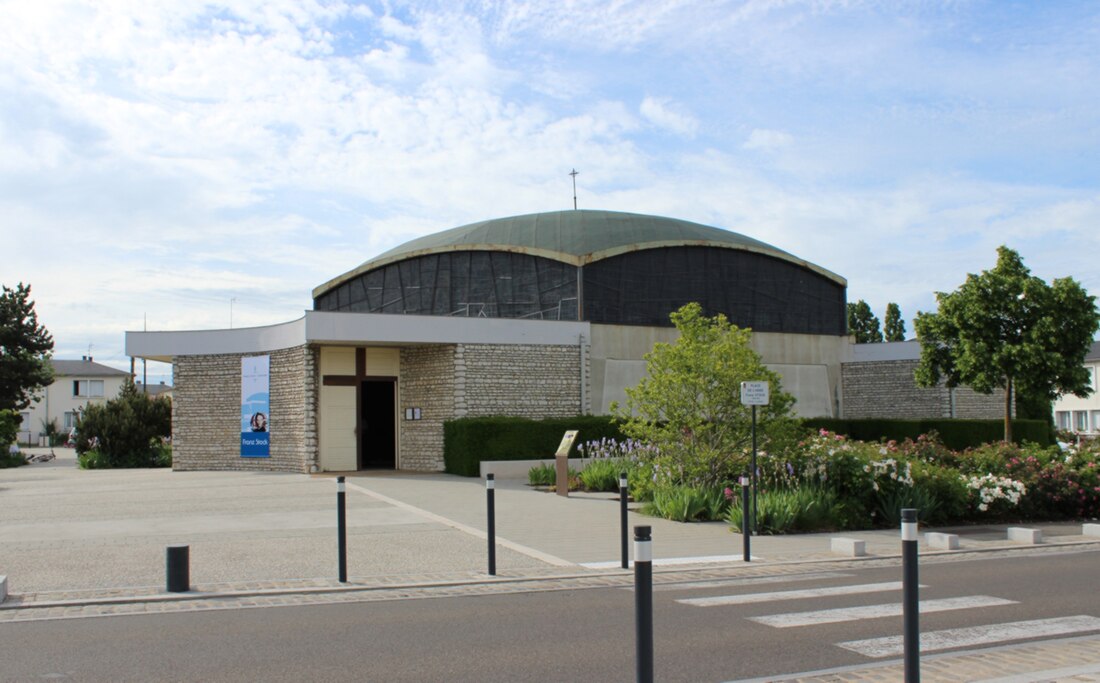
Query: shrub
(955, 433)
(470, 440)
(543, 474)
(127, 431)
(687, 504)
(9, 428)
(602, 475)
(809, 508)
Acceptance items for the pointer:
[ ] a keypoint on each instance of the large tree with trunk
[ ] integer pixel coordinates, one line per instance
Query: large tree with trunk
(1007, 329)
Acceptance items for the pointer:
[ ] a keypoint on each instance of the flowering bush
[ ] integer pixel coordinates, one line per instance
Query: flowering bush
(993, 495)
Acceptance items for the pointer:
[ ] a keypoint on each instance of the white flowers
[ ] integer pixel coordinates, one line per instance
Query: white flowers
(889, 468)
(990, 488)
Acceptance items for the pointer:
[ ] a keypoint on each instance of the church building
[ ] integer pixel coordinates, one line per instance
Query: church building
(541, 315)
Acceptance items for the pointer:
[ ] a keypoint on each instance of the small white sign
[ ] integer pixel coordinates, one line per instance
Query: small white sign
(754, 393)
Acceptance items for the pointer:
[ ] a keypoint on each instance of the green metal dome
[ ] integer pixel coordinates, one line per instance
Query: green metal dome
(576, 237)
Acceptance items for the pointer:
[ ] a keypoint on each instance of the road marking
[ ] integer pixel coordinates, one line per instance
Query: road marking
(840, 614)
(977, 635)
(793, 595)
(478, 533)
(749, 581)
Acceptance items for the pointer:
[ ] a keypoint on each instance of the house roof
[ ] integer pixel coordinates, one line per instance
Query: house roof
(153, 389)
(577, 237)
(83, 368)
(1094, 352)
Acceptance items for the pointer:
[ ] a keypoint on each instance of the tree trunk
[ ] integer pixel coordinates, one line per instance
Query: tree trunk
(1008, 410)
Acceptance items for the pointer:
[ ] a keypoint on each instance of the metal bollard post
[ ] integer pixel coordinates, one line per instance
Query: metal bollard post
(178, 568)
(341, 529)
(622, 520)
(910, 597)
(643, 603)
(746, 529)
(490, 489)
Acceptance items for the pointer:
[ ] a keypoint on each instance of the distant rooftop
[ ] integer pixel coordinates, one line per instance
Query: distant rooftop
(85, 367)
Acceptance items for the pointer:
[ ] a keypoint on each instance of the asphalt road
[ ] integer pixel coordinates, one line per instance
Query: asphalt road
(569, 635)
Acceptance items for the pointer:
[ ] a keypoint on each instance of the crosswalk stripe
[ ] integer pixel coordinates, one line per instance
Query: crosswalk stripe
(792, 595)
(749, 581)
(840, 614)
(977, 635)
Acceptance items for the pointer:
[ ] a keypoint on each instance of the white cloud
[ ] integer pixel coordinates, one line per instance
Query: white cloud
(665, 114)
(173, 156)
(762, 138)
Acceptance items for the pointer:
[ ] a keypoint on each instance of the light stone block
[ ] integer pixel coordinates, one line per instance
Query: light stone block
(1019, 534)
(1090, 530)
(941, 541)
(849, 547)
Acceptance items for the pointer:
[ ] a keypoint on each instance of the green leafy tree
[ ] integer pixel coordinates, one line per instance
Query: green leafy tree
(863, 323)
(126, 431)
(894, 325)
(25, 348)
(1008, 329)
(689, 403)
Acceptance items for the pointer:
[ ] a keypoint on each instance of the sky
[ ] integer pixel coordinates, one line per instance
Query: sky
(170, 165)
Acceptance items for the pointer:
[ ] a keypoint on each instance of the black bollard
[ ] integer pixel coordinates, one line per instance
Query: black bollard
(746, 535)
(341, 529)
(178, 565)
(643, 603)
(910, 596)
(623, 483)
(490, 490)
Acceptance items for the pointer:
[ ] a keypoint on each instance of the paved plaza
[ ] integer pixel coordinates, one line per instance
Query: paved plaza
(92, 543)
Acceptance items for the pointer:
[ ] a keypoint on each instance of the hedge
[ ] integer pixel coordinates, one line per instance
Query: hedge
(956, 434)
(470, 440)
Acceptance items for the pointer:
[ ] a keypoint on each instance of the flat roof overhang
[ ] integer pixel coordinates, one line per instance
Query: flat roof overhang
(360, 329)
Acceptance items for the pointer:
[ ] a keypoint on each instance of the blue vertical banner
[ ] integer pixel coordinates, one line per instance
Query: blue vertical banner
(256, 407)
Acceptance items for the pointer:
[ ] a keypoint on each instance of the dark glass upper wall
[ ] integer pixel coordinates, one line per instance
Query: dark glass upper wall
(753, 290)
(636, 288)
(488, 284)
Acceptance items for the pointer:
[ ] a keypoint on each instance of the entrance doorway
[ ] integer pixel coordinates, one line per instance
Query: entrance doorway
(377, 424)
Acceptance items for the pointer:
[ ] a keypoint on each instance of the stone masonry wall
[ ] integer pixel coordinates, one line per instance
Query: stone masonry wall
(427, 382)
(206, 407)
(886, 389)
(521, 380)
(452, 381)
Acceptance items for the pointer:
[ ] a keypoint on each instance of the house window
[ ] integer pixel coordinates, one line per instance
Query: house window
(1080, 420)
(1096, 420)
(88, 388)
(69, 420)
(1062, 418)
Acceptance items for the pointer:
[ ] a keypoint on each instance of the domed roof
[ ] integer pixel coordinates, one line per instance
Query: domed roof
(576, 237)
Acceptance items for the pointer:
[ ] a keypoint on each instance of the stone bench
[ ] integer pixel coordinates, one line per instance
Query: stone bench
(1090, 530)
(1019, 534)
(849, 547)
(941, 541)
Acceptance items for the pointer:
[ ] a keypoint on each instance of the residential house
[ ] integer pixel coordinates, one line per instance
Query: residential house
(77, 384)
(1082, 415)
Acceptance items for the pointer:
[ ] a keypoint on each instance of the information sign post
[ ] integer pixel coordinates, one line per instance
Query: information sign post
(754, 394)
(561, 462)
